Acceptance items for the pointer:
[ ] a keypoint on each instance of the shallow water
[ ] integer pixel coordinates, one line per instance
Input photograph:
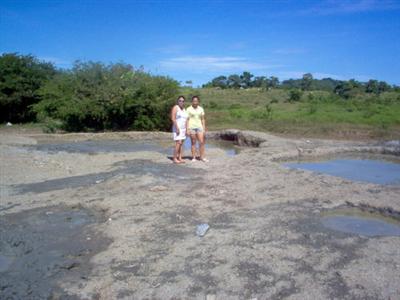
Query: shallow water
(229, 148)
(361, 223)
(373, 170)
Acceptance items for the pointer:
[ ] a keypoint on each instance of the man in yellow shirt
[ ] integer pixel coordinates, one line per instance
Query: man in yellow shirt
(196, 127)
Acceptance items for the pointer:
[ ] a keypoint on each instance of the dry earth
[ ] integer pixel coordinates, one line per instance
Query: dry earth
(121, 225)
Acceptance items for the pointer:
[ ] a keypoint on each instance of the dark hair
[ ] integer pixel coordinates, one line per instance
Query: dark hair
(180, 98)
(196, 97)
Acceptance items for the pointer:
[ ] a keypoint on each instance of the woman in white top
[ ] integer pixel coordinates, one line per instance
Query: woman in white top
(179, 119)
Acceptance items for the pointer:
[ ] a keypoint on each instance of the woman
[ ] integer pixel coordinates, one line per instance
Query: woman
(179, 119)
(196, 127)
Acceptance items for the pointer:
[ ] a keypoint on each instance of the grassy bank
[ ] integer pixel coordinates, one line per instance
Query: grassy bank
(315, 114)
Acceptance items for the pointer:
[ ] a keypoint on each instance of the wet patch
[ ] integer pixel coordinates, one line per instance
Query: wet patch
(110, 146)
(99, 146)
(228, 147)
(164, 173)
(361, 222)
(40, 248)
(372, 169)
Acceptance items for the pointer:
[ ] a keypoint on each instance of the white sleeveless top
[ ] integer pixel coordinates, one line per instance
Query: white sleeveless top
(181, 118)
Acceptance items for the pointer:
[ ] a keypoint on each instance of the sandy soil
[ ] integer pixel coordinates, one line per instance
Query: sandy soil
(265, 239)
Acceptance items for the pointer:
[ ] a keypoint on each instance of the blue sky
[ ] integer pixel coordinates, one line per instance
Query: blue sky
(198, 40)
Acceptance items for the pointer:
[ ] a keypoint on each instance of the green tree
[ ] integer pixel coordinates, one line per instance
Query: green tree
(273, 82)
(234, 81)
(246, 79)
(220, 81)
(372, 86)
(21, 76)
(94, 96)
(306, 82)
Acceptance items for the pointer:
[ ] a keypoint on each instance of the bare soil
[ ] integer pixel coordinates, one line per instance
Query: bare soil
(121, 225)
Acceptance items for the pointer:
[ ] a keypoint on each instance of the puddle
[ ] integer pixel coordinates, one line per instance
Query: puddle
(163, 174)
(108, 146)
(41, 247)
(356, 221)
(228, 147)
(370, 169)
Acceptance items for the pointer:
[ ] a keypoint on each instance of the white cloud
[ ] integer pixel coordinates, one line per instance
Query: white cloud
(213, 63)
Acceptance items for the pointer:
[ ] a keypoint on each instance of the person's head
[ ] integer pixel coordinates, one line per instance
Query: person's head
(195, 101)
(180, 101)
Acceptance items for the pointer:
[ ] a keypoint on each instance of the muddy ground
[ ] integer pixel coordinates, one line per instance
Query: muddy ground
(121, 224)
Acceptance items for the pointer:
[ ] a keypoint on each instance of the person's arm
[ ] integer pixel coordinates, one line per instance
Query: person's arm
(203, 121)
(187, 126)
(173, 119)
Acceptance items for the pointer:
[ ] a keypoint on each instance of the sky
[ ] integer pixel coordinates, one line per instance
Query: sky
(199, 40)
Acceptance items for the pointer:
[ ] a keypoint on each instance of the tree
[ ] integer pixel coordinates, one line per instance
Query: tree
(383, 87)
(372, 86)
(245, 79)
(21, 76)
(234, 81)
(273, 82)
(343, 89)
(306, 82)
(94, 96)
(260, 82)
(220, 81)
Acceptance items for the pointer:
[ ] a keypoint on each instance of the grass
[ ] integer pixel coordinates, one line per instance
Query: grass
(317, 114)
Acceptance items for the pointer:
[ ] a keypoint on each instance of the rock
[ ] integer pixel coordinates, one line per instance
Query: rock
(202, 229)
(9, 124)
(211, 297)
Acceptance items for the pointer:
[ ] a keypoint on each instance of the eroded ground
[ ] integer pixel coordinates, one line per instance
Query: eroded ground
(121, 224)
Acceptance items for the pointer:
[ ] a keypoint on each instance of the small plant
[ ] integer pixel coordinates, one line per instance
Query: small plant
(213, 105)
(268, 110)
(312, 107)
(274, 101)
(295, 95)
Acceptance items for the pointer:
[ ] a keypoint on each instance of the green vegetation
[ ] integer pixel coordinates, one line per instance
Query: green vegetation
(92, 96)
(310, 113)
(20, 80)
(89, 97)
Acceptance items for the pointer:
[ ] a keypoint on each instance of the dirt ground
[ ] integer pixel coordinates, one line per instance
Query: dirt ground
(121, 224)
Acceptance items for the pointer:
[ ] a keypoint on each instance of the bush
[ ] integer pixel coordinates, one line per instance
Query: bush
(295, 95)
(93, 96)
(21, 76)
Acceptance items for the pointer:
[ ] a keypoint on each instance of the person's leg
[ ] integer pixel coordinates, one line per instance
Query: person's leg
(193, 140)
(200, 137)
(180, 151)
(176, 152)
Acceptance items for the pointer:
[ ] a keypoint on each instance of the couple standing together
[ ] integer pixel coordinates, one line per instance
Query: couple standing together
(188, 122)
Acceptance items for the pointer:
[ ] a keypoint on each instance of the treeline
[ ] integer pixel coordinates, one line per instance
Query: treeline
(343, 88)
(89, 96)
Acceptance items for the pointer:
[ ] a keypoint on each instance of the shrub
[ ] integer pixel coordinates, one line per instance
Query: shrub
(93, 96)
(295, 95)
(21, 76)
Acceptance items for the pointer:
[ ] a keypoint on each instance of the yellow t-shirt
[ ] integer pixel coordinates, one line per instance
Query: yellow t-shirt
(195, 116)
